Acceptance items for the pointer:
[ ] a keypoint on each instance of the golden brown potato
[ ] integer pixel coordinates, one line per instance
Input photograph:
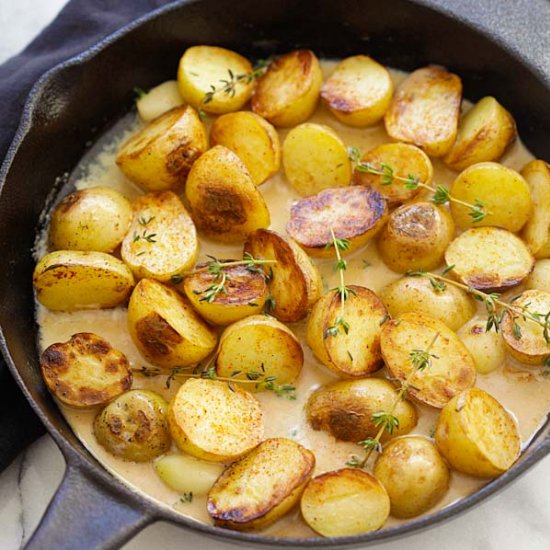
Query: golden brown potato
(162, 240)
(67, 280)
(274, 474)
(359, 91)
(484, 133)
(489, 258)
(414, 475)
(206, 72)
(252, 139)
(225, 203)
(294, 280)
(159, 156)
(85, 371)
(259, 348)
(315, 158)
(539, 278)
(288, 92)
(416, 237)
(405, 160)
(355, 213)
(356, 353)
(134, 426)
(92, 219)
(344, 409)
(345, 502)
(476, 435)
(536, 230)
(211, 420)
(486, 347)
(424, 110)
(503, 192)
(159, 100)
(451, 369)
(165, 328)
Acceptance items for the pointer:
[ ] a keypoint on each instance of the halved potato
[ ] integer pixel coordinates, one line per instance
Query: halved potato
(288, 92)
(476, 435)
(159, 156)
(489, 258)
(536, 230)
(359, 91)
(357, 353)
(211, 420)
(86, 371)
(252, 139)
(524, 339)
(344, 409)
(424, 110)
(67, 280)
(453, 306)
(315, 158)
(539, 278)
(162, 240)
(405, 160)
(259, 348)
(159, 100)
(416, 237)
(345, 502)
(503, 192)
(484, 133)
(355, 213)
(215, 79)
(165, 328)
(486, 346)
(94, 219)
(261, 487)
(225, 203)
(451, 369)
(294, 280)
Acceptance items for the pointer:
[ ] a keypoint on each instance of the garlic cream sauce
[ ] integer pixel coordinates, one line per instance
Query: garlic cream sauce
(523, 391)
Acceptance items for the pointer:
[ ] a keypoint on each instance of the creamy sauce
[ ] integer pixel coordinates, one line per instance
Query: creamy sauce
(523, 391)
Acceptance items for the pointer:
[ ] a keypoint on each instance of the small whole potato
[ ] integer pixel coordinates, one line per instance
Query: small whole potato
(486, 347)
(413, 473)
(539, 278)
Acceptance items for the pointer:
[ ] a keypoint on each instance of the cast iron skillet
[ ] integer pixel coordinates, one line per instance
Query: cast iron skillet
(73, 102)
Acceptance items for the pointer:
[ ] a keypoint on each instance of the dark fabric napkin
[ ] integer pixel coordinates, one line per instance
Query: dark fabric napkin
(81, 24)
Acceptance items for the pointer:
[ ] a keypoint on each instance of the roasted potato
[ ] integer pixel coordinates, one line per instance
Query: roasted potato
(294, 281)
(252, 139)
(67, 280)
(424, 110)
(134, 426)
(85, 371)
(484, 133)
(489, 258)
(416, 237)
(288, 92)
(359, 91)
(476, 435)
(165, 328)
(315, 158)
(354, 213)
(450, 368)
(503, 192)
(485, 346)
(414, 475)
(259, 348)
(345, 502)
(159, 156)
(94, 219)
(344, 409)
(524, 338)
(162, 240)
(261, 487)
(351, 354)
(214, 79)
(539, 278)
(536, 230)
(405, 160)
(159, 100)
(211, 420)
(225, 203)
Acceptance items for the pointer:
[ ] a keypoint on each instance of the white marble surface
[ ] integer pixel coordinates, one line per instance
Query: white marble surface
(519, 517)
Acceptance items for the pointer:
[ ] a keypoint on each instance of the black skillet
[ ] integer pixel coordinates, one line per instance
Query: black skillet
(74, 102)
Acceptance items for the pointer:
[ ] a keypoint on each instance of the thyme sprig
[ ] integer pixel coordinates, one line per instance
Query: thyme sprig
(148, 237)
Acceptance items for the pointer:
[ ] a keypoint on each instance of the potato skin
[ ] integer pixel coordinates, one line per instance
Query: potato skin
(274, 474)
(539, 278)
(486, 347)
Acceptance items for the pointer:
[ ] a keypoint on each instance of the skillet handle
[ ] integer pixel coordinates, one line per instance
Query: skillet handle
(84, 515)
